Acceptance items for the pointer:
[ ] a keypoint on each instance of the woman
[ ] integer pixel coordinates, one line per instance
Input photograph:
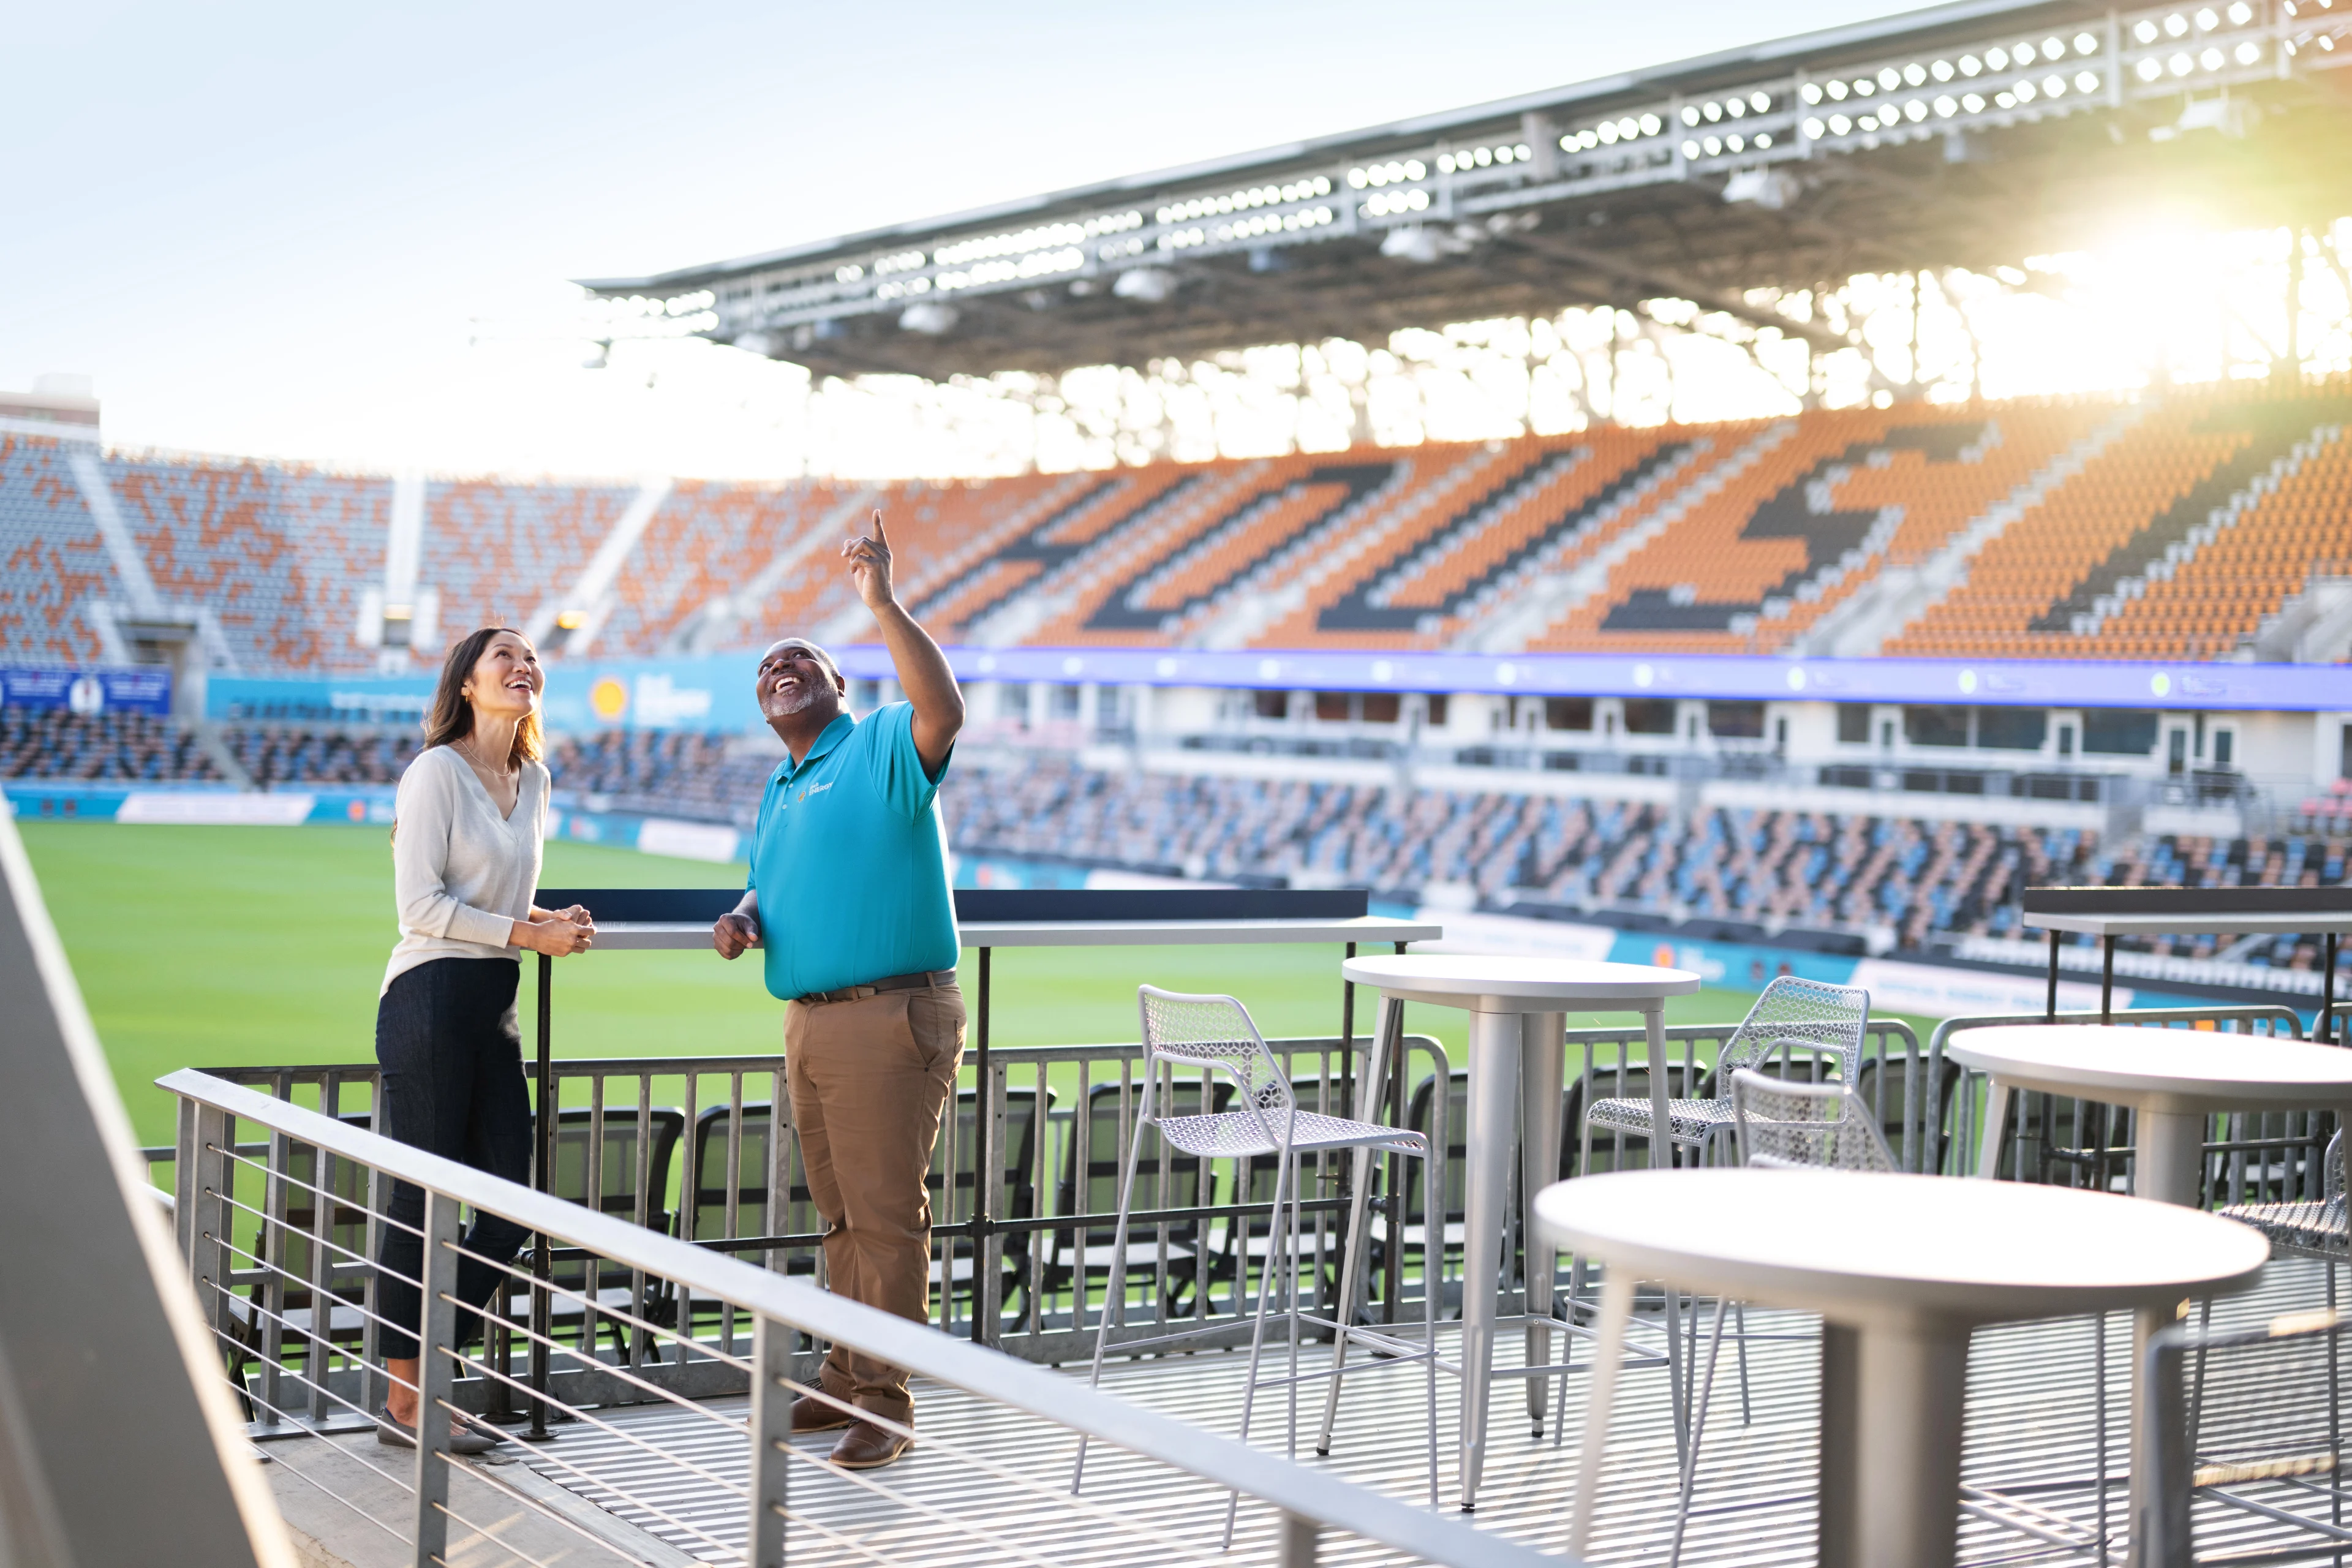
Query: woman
(466, 837)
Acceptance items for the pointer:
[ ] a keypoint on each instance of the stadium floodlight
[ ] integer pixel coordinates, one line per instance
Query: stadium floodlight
(1151, 285)
(929, 318)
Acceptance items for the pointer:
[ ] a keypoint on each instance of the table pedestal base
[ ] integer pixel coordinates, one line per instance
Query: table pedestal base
(1909, 1391)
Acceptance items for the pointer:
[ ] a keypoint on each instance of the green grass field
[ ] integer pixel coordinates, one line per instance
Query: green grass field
(244, 946)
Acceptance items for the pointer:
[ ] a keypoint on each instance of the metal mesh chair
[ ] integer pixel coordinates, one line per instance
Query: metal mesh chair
(1793, 1014)
(2307, 1228)
(2246, 1433)
(1805, 1125)
(1215, 1034)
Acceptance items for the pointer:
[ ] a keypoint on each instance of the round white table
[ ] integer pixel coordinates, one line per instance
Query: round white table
(1512, 1002)
(2172, 1080)
(1901, 1269)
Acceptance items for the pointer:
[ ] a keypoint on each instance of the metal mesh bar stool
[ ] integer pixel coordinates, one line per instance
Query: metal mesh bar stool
(1792, 1015)
(2247, 1424)
(1790, 1126)
(1805, 1125)
(2307, 1228)
(1215, 1033)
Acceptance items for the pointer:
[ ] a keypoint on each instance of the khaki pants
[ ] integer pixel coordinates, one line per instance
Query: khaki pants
(868, 1077)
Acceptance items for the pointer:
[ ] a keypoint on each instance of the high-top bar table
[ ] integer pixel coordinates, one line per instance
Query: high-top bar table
(1901, 1269)
(2172, 1080)
(642, 920)
(1519, 1009)
(2110, 913)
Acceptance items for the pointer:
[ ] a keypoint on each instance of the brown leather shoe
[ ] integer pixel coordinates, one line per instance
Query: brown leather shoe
(867, 1446)
(817, 1415)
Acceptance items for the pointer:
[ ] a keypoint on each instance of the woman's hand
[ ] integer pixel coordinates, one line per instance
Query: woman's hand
(558, 935)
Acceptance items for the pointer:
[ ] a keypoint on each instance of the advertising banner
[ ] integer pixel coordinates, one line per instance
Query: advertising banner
(144, 690)
(713, 693)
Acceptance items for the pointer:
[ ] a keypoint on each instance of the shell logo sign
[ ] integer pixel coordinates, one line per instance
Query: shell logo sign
(608, 699)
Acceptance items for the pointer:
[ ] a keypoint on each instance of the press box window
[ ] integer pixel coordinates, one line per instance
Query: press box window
(1736, 720)
(1568, 712)
(1272, 704)
(1853, 723)
(2118, 732)
(1382, 707)
(1649, 716)
(1937, 726)
(2012, 729)
(1433, 711)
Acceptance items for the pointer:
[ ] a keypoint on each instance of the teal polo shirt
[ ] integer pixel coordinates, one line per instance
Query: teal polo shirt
(850, 862)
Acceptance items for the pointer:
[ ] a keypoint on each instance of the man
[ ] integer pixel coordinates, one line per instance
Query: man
(849, 886)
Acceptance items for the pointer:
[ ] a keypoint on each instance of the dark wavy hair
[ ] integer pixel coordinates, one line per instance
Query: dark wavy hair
(451, 716)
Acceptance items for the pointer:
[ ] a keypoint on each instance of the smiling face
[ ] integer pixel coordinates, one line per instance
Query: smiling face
(796, 678)
(506, 681)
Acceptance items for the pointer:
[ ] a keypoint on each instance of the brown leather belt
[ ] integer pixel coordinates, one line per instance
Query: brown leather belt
(923, 979)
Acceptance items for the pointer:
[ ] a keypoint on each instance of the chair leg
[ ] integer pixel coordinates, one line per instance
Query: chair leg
(1747, 1415)
(1698, 1431)
(1429, 1293)
(1356, 1259)
(1118, 1273)
(1257, 1331)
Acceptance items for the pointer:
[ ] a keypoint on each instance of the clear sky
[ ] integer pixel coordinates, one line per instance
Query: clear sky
(343, 233)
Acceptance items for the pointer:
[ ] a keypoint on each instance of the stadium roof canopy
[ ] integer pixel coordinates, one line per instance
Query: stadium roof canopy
(1969, 135)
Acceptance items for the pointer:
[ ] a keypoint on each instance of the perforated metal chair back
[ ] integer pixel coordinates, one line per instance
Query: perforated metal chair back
(1217, 1033)
(1826, 1018)
(1819, 1126)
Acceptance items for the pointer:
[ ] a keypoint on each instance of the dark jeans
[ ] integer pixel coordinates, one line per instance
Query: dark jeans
(452, 1084)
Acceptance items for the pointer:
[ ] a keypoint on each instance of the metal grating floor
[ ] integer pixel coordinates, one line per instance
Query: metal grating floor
(2033, 1433)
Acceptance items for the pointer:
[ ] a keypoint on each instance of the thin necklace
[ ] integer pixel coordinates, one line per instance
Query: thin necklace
(465, 749)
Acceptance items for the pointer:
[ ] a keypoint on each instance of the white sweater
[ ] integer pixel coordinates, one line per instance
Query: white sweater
(461, 874)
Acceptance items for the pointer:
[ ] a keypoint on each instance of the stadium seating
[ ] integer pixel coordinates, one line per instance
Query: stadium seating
(1750, 872)
(293, 755)
(498, 550)
(2166, 529)
(2109, 525)
(54, 743)
(51, 558)
(664, 773)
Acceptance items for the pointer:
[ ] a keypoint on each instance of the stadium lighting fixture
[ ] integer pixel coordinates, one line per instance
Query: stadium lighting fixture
(1970, 65)
(2149, 69)
(1974, 104)
(2249, 52)
(2207, 20)
(2175, 25)
(2211, 60)
(2181, 65)
(2086, 45)
(2086, 81)
(2241, 12)
(929, 318)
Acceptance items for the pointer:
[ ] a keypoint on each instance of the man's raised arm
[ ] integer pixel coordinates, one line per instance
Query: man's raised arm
(923, 673)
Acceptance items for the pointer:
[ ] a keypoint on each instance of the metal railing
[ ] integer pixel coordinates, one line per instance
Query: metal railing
(653, 1139)
(245, 1219)
(2249, 1156)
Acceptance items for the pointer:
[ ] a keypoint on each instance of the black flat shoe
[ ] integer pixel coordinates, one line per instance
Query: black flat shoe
(392, 1435)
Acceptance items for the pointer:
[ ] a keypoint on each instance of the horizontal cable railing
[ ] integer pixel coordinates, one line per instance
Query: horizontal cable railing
(2273, 1156)
(279, 1236)
(654, 1139)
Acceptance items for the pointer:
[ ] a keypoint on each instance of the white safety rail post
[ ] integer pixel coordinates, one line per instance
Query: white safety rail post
(437, 1341)
(772, 1431)
(674, 1481)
